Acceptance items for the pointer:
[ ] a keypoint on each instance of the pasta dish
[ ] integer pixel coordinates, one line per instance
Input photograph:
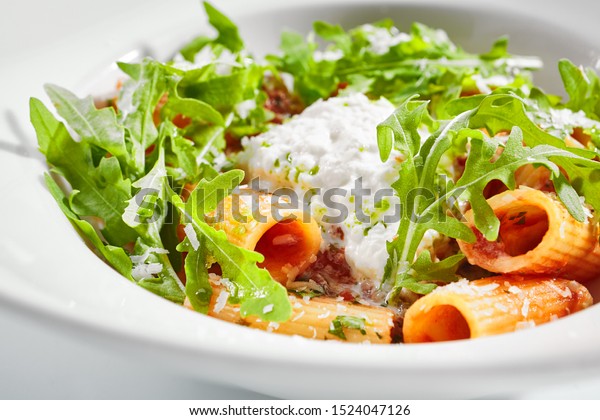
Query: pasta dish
(363, 185)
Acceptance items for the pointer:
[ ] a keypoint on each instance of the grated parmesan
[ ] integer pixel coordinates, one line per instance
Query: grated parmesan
(221, 301)
(523, 325)
(515, 290)
(525, 308)
(329, 55)
(382, 39)
(566, 292)
(138, 259)
(243, 108)
(501, 307)
(191, 235)
(324, 315)
(146, 271)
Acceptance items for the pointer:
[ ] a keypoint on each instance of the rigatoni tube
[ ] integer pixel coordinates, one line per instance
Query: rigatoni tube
(537, 236)
(288, 238)
(491, 306)
(317, 317)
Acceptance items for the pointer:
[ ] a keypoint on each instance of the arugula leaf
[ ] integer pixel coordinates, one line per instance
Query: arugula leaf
(146, 212)
(191, 107)
(335, 34)
(345, 321)
(224, 92)
(98, 191)
(427, 200)
(207, 194)
(498, 50)
(392, 64)
(254, 287)
(115, 256)
(499, 112)
(441, 271)
(45, 125)
(186, 160)
(153, 271)
(138, 99)
(228, 31)
(583, 87)
(94, 126)
(401, 129)
(189, 50)
(197, 287)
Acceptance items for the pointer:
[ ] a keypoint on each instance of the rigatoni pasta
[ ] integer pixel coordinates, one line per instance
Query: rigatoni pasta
(491, 306)
(537, 236)
(317, 317)
(289, 239)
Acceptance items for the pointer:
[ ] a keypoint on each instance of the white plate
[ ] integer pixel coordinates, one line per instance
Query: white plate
(48, 274)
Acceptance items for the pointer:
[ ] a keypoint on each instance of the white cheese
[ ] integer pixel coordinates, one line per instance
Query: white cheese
(382, 39)
(138, 259)
(525, 308)
(485, 84)
(221, 301)
(244, 108)
(191, 235)
(329, 55)
(146, 271)
(223, 62)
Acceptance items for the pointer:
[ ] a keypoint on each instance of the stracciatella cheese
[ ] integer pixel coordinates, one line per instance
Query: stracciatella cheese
(331, 146)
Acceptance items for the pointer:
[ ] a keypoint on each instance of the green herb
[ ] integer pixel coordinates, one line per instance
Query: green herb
(125, 165)
(115, 256)
(345, 321)
(423, 62)
(427, 199)
(254, 287)
(98, 190)
(583, 87)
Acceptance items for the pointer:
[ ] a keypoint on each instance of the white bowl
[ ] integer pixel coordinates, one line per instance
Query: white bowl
(48, 274)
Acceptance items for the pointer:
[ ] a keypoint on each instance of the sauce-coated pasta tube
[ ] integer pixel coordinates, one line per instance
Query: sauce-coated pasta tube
(312, 318)
(287, 237)
(537, 236)
(491, 306)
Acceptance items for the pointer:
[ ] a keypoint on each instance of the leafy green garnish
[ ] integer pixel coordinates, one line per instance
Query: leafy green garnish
(115, 256)
(98, 127)
(166, 131)
(378, 60)
(228, 31)
(345, 321)
(583, 87)
(99, 191)
(428, 200)
(254, 287)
